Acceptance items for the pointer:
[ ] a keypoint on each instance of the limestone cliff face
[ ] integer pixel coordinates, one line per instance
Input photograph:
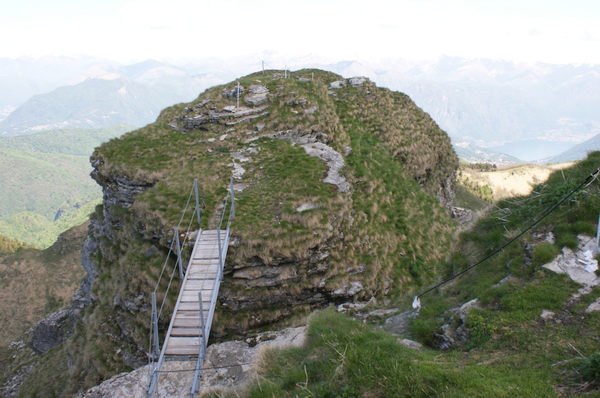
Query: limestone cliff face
(340, 193)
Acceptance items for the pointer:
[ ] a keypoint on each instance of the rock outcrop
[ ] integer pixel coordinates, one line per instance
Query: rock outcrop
(228, 367)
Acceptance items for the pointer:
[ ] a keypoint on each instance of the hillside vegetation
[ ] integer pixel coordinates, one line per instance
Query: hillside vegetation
(46, 187)
(8, 245)
(43, 279)
(509, 350)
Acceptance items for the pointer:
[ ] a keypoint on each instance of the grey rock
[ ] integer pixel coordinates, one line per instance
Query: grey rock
(305, 207)
(348, 289)
(593, 307)
(311, 110)
(264, 276)
(398, 324)
(581, 265)
(504, 280)
(52, 330)
(233, 92)
(357, 81)
(337, 84)
(455, 332)
(461, 215)
(410, 344)
(229, 367)
(335, 162)
(547, 315)
(258, 95)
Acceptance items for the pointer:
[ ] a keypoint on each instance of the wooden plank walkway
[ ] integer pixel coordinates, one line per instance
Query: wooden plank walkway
(183, 337)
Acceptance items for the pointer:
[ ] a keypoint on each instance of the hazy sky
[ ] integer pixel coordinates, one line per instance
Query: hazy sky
(130, 30)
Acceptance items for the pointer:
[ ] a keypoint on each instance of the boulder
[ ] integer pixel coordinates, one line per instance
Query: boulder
(357, 81)
(51, 331)
(233, 92)
(338, 84)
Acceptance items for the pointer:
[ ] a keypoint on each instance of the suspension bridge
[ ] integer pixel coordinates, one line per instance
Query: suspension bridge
(187, 335)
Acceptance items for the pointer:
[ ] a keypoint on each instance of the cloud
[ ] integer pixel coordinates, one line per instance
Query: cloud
(135, 29)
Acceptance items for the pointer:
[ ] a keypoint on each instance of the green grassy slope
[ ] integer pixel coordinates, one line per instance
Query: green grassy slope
(46, 173)
(37, 231)
(510, 351)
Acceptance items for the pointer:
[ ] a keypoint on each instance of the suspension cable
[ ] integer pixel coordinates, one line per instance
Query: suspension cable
(589, 179)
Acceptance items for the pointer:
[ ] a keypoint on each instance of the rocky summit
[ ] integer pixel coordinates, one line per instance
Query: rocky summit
(342, 193)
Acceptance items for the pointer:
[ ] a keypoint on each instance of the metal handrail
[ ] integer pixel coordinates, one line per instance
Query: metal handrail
(154, 345)
(206, 326)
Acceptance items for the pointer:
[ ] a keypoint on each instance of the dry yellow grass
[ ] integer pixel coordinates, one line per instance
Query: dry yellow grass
(38, 282)
(511, 181)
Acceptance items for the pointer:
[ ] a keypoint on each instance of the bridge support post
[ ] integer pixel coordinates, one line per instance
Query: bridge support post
(179, 263)
(598, 236)
(155, 349)
(202, 351)
(232, 200)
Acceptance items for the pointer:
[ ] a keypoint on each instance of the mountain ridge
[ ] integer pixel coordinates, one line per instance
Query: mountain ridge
(383, 232)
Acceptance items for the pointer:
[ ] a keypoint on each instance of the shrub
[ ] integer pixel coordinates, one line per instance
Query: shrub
(590, 368)
(544, 253)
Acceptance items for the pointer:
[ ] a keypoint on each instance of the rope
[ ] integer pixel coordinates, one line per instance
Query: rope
(164, 266)
(172, 241)
(586, 182)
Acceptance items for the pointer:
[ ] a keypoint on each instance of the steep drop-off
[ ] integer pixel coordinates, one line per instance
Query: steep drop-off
(341, 190)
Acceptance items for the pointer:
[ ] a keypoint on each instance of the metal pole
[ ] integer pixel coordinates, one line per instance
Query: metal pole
(155, 348)
(179, 263)
(238, 95)
(201, 351)
(219, 245)
(312, 76)
(598, 235)
(263, 67)
(232, 199)
(197, 202)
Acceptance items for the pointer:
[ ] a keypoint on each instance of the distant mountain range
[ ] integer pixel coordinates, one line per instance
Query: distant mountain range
(577, 152)
(498, 105)
(90, 93)
(526, 111)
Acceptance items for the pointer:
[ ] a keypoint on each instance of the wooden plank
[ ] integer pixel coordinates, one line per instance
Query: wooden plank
(188, 314)
(202, 274)
(195, 284)
(185, 351)
(193, 297)
(183, 346)
(186, 323)
(206, 294)
(206, 263)
(185, 332)
(191, 306)
(204, 269)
